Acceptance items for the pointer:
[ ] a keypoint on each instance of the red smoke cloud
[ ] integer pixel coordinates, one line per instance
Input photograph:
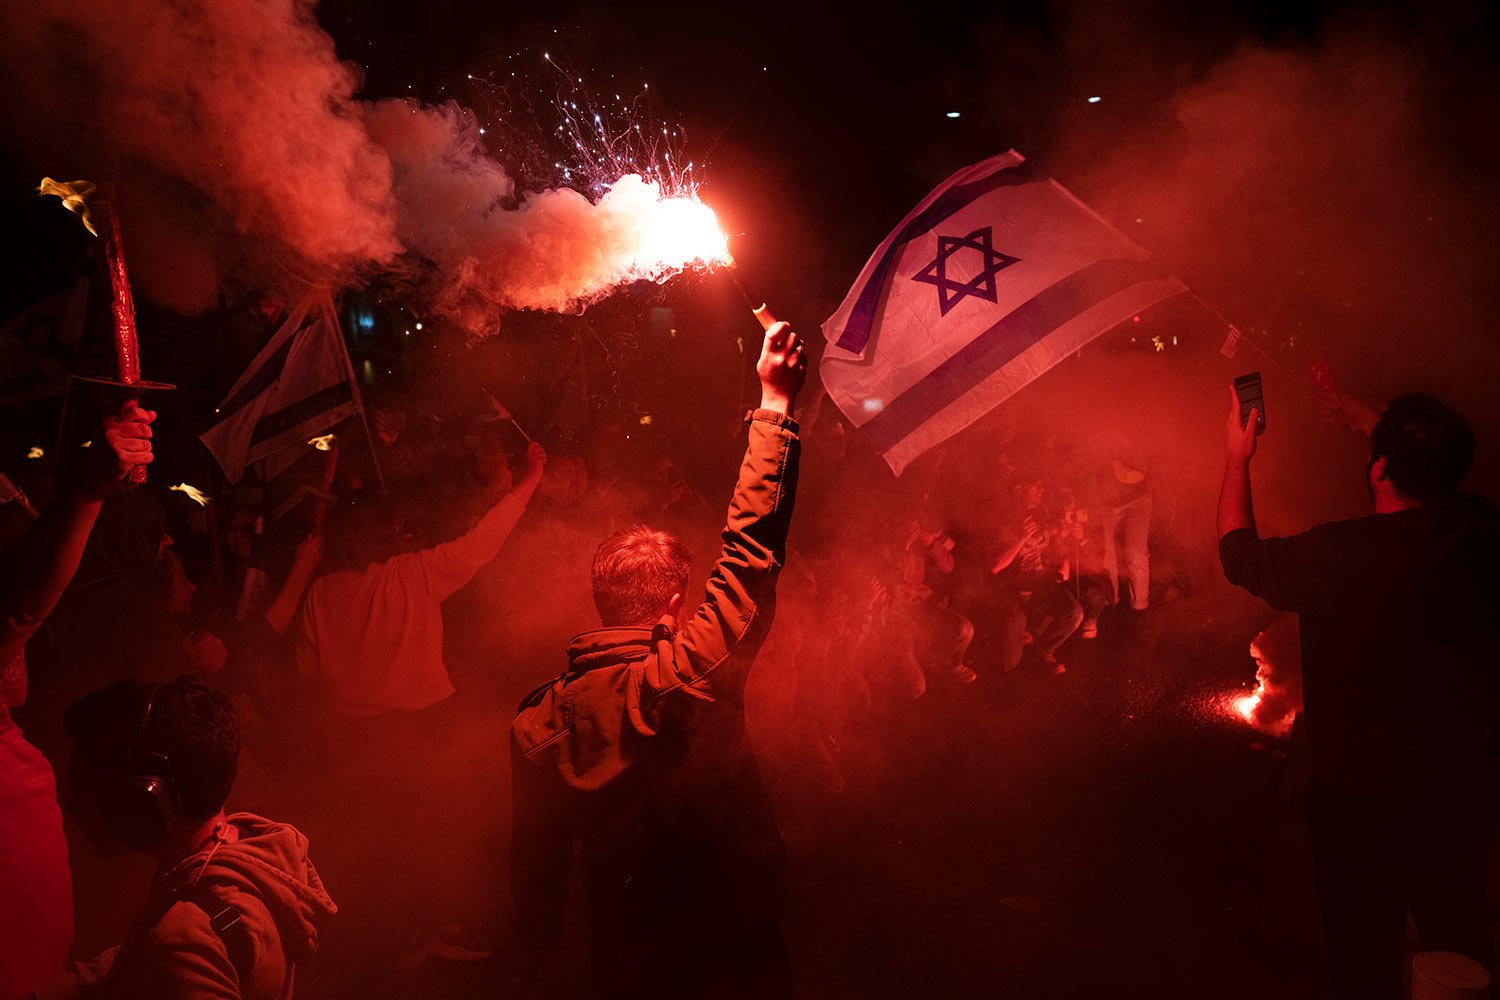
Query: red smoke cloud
(244, 160)
(229, 126)
(555, 250)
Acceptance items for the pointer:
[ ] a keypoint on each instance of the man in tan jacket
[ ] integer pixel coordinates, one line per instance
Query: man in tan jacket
(235, 905)
(639, 750)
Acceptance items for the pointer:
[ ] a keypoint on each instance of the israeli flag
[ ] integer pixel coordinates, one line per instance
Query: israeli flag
(995, 277)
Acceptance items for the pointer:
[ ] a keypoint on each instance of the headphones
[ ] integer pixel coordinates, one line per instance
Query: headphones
(138, 801)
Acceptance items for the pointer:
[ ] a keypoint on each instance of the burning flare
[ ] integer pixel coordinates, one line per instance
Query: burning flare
(74, 195)
(1273, 706)
(191, 492)
(679, 233)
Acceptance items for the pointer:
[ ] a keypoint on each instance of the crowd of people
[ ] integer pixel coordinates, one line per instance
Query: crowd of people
(158, 654)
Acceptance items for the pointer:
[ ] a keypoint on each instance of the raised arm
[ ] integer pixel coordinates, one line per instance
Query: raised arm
(737, 607)
(1316, 570)
(288, 599)
(452, 564)
(1236, 512)
(37, 569)
(1010, 551)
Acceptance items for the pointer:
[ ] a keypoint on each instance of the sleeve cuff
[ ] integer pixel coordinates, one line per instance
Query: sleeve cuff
(771, 417)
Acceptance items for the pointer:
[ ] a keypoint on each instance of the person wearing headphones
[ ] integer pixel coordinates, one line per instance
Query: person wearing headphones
(236, 903)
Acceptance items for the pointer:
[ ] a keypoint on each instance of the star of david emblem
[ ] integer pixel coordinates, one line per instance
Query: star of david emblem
(952, 291)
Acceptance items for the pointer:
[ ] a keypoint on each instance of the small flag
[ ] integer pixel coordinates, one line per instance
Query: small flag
(998, 275)
(1232, 342)
(298, 386)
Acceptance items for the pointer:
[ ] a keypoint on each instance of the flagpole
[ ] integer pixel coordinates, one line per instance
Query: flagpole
(1245, 338)
(359, 399)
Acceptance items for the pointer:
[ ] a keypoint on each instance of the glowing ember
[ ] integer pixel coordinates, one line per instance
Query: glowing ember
(323, 443)
(35, 452)
(191, 492)
(1273, 706)
(74, 197)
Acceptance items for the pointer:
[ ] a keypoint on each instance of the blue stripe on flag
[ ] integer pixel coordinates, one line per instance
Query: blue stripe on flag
(1024, 326)
(288, 417)
(856, 332)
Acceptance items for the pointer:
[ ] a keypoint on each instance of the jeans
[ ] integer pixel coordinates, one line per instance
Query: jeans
(942, 635)
(1127, 532)
(1051, 613)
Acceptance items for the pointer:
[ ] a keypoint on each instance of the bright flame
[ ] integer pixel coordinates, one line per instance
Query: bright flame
(74, 195)
(324, 443)
(680, 232)
(1271, 708)
(191, 492)
(687, 231)
(35, 452)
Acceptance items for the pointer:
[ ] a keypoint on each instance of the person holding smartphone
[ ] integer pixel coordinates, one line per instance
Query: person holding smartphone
(1400, 686)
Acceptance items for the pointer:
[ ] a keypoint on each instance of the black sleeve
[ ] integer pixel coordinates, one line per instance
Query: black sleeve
(1315, 571)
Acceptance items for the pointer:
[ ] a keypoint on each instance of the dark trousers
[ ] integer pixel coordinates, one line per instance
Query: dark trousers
(749, 963)
(1378, 858)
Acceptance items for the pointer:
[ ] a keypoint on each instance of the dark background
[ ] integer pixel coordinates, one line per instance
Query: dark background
(1321, 172)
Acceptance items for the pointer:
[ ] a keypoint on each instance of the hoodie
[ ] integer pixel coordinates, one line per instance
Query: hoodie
(639, 751)
(173, 952)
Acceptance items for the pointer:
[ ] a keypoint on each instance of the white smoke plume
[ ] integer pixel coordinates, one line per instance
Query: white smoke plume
(556, 250)
(243, 159)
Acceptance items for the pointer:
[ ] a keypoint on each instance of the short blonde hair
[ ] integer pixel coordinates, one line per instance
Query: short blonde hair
(636, 573)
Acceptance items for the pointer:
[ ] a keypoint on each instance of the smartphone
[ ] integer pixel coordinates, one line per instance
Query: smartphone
(1247, 388)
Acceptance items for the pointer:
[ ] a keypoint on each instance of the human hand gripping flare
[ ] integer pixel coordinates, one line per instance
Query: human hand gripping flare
(782, 368)
(127, 446)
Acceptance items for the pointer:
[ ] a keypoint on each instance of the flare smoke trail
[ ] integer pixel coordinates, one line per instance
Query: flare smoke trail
(1273, 706)
(245, 160)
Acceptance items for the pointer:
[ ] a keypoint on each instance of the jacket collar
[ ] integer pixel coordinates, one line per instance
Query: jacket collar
(604, 647)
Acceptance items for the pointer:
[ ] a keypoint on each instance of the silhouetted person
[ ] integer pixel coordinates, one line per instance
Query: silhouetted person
(1034, 600)
(1401, 681)
(235, 904)
(1125, 512)
(372, 639)
(36, 896)
(639, 750)
(941, 635)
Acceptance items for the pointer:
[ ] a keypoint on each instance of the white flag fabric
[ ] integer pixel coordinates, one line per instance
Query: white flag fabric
(298, 386)
(995, 277)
